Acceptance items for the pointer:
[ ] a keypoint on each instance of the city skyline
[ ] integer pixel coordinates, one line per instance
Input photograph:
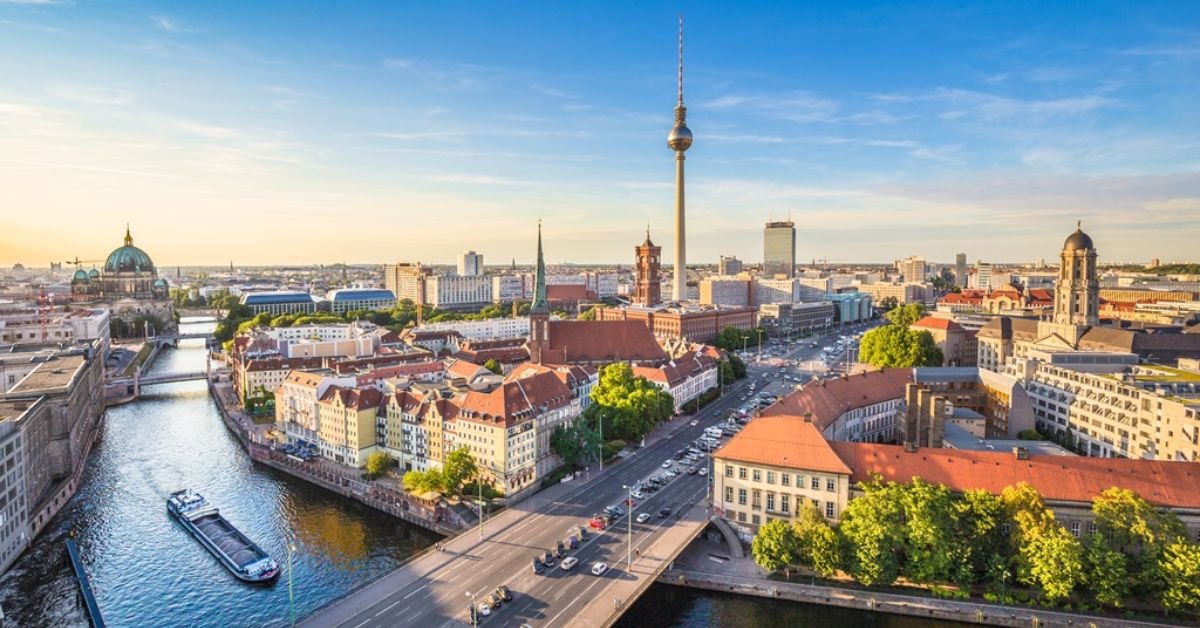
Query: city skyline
(388, 116)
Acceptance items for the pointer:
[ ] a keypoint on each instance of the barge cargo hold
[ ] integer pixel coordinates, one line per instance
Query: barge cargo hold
(241, 556)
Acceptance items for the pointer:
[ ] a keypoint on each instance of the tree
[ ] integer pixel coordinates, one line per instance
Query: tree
(493, 366)
(1180, 567)
(1106, 574)
(588, 314)
(377, 464)
(629, 406)
(978, 535)
(897, 346)
(816, 542)
(458, 468)
(873, 527)
(1138, 530)
(737, 364)
(421, 482)
(887, 304)
(726, 373)
(928, 530)
(1055, 561)
(774, 547)
(905, 315)
(575, 443)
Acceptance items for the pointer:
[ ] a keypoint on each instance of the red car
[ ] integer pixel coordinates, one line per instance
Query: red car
(630, 503)
(597, 524)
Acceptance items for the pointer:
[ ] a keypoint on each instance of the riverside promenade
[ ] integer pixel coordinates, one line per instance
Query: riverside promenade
(708, 565)
(384, 494)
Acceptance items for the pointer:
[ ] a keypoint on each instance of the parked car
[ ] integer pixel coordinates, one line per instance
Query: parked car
(664, 513)
(598, 568)
(597, 523)
(643, 517)
(503, 593)
(637, 494)
(692, 471)
(667, 464)
(492, 601)
(548, 559)
(484, 609)
(703, 471)
(538, 567)
(629, 502)
(694, 422)
(568, 563)
(572, 542)
(559, 549)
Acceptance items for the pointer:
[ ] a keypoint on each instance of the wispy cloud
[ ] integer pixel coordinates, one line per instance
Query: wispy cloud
(792, 106)
(165, 23)
(31, 2)
(93, 94)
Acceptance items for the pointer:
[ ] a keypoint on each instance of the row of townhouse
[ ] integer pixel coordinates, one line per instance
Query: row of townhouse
(506, 423)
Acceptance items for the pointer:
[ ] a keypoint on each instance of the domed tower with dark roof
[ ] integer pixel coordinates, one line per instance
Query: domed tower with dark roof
(1077, 297)
(129, 273)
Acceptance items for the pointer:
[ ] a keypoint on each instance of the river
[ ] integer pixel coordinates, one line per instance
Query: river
(146, 571)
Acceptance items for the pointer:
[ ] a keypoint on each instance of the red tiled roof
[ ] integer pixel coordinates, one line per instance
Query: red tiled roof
(463, 368)
(970, 299)
(826, 401)
(782, 441)
(601, 341)
(1057, 478)
(357, 398)
(933, 322)
(516, 399)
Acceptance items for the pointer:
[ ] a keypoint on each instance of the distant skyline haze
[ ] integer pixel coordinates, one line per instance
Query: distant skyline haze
(284, 133)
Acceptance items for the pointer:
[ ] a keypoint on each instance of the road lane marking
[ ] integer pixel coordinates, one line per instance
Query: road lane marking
(411, 594)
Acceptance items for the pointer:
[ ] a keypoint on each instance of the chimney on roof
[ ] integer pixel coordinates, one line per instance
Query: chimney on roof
(910, 447)
(808, 417)
(1021, 453)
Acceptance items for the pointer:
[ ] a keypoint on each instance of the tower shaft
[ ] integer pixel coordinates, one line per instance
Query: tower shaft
(679, 286)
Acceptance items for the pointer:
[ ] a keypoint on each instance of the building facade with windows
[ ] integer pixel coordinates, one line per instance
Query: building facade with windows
(346, 300)
(779, 249)
(280, 302)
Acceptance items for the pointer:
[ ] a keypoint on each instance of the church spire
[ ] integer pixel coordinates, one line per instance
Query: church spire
(128, 237)
(540, 306)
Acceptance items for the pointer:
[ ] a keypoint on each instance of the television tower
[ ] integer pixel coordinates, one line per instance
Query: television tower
(679, 140)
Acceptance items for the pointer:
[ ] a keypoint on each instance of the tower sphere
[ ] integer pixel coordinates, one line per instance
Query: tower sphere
(680, 138)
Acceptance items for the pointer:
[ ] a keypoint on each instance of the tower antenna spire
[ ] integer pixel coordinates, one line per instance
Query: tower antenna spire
(681, 60)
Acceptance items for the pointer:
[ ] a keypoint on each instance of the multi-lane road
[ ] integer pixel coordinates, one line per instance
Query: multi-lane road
(438, 588)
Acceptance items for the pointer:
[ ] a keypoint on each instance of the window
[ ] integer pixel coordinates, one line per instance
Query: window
(783, 503)
(742, 517)
(829, 509)
(816, 484)
(830, 485)
(757, 475)
(757, 497)
(728, 493)
(1092, 528)
(755, 519)
(742, 496)
(728, 470)
(1075, 529)
(770, 477)
(784, 478)
(771, 502)
(741, 473)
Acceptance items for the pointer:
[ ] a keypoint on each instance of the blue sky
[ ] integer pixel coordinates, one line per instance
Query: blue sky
(374, 132)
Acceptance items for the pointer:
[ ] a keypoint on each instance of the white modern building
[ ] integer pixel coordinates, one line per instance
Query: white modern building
(470, 264)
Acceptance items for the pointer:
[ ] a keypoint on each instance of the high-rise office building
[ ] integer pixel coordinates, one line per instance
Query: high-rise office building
(729, 265)
(960, 270)
(779, 249)
(470, 264)
(983, 276)
(913, 269)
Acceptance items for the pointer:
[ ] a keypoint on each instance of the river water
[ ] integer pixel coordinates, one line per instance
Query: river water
(146, 571)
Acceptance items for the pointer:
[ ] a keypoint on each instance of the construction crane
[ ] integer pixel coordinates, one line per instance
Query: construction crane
(80, 262)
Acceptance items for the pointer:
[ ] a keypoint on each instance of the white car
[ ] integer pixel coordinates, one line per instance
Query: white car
(637, 495)
(694, 422)
(484, 609)
(702, 471)
(568, 562)
(643, 518)
(667, 464)
(598, 568)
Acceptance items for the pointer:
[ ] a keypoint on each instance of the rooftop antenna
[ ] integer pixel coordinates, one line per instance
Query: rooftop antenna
(681, 60)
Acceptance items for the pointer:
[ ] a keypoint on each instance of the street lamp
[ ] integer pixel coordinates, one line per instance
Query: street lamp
(474, 609)
(291, 549)
(760, 335)
(629, 530)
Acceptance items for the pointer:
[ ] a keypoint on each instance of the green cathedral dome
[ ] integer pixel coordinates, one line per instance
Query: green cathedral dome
(128, 259)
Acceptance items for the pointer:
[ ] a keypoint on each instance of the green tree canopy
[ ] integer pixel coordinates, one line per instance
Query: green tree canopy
(1180, 565)
(575, 443)
(421, 482)
(378, 463)
(898, 346)
(905, 315)
(816, 542)
(774, 547)
(873, 527)
(458, 468)
(629, 406)
(493, 366)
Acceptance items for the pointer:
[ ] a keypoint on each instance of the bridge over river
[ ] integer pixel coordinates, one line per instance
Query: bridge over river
(436, 588)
